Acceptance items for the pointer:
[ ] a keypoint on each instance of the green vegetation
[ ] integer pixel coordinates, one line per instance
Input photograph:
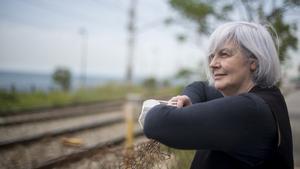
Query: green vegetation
(182, 158)
(62, 76)
(150, 83)
(206, 15)
(21, 101)
(184, 74)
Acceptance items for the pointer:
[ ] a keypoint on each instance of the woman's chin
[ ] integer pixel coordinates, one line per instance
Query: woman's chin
(219, 86)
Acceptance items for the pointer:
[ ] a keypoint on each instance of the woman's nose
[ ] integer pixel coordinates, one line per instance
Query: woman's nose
(214, 63)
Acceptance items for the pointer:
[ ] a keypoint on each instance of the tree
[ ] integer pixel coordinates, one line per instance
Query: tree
(184, 74)
(166, 83)
(150, 83)
(206, 14)
(62, 77)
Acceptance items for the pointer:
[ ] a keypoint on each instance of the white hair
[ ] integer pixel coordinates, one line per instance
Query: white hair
(256, 42)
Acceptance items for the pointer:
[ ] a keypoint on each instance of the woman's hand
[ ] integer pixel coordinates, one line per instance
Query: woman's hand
(180, 101)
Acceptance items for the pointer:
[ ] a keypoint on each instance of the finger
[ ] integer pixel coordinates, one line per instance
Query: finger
(187, 100)
(173, 101)
(179, 103)
(170, 104)
(183, 101)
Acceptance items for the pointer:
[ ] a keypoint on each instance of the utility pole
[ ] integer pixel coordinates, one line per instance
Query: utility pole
(131, 41)
(84, 51)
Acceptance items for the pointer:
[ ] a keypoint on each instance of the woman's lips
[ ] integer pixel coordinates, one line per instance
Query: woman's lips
(219, 76)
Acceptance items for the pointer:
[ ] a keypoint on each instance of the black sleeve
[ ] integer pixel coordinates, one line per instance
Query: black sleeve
(242, 124)
(201, 92)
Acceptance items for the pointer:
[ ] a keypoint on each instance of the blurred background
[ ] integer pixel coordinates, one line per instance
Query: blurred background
(68, 67)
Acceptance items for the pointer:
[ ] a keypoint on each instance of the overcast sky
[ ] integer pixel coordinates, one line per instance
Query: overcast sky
(39, 35)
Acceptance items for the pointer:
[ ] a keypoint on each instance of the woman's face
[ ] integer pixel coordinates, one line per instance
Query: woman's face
(231, 70)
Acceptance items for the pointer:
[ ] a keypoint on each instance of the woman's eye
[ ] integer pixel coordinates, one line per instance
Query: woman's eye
(224, 54)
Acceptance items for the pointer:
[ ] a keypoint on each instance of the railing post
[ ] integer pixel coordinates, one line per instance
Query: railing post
(131, 107)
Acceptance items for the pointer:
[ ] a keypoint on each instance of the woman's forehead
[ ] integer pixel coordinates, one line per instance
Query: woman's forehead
(229, 44)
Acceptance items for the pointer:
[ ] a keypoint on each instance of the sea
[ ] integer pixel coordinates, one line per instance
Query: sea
(27, 81)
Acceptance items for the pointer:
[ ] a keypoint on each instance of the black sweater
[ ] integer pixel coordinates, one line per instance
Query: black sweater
(239, 128)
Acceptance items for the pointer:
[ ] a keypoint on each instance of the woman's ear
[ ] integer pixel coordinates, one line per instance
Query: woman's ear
(253, 65)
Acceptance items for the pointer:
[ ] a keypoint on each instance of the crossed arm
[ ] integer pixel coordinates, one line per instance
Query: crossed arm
(209, 121)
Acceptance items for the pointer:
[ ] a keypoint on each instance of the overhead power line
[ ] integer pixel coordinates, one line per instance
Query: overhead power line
(131, 40)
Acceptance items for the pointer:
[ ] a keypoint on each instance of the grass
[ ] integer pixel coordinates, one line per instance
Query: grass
(182, 158)
(21, 101)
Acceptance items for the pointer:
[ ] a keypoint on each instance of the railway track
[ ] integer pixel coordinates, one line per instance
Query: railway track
(55, 108)
(86, 153)
(39, 139)
(53, 151)
(15, 118)
(40, 142)
(58, 113)
(19, 134)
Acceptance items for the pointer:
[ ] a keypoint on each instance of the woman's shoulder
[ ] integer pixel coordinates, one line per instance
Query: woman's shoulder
(248, 103)
(271, 95)
(257, 103)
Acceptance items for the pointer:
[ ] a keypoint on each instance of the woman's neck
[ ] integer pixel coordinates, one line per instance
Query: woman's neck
(243, 89)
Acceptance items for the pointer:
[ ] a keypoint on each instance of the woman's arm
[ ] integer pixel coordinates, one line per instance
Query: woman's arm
(228, 124)
(201, 92)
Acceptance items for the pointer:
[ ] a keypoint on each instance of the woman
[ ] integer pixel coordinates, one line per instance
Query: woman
(241, 119)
